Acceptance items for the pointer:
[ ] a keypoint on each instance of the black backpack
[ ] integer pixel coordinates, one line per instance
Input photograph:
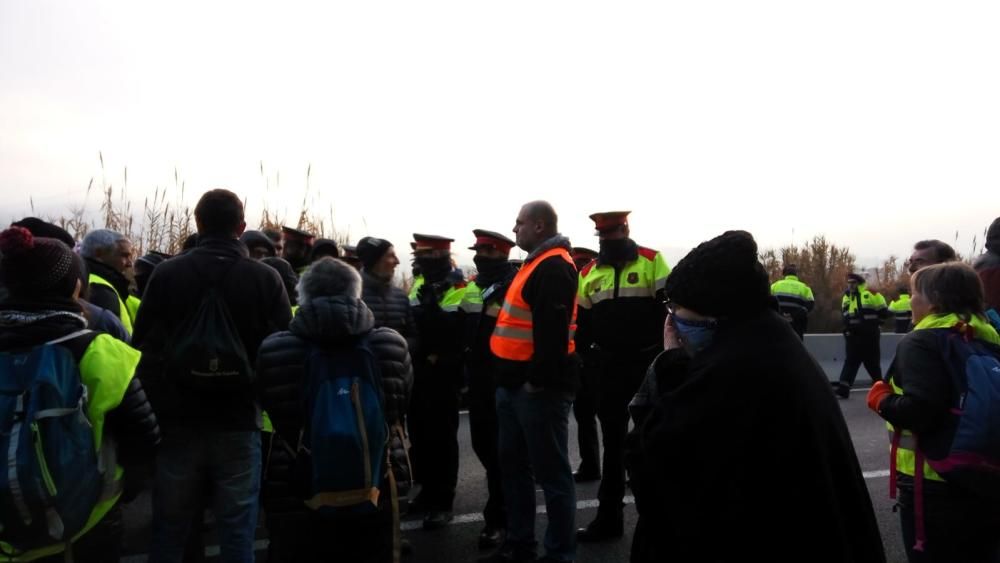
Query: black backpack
(207, 354)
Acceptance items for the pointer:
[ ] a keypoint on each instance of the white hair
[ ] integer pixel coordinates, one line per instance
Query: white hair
(329, 277)
(100, 241)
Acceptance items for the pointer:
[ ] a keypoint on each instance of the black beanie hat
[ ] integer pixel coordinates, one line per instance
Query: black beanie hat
(253, 239)
(45, 229)
(324, 247)
(370, 249)
(721, 278)
(38, 267)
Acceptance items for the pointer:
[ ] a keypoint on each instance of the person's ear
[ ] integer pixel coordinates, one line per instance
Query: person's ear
(77, 289)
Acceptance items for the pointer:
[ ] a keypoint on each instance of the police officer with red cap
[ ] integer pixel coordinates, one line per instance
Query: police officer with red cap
(437, 367)
(296, 247)
(621, 307)
(481, 304)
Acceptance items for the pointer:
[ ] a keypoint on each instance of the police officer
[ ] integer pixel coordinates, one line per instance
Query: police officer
(900, 309)
(863, 312)
(795, 299)
(437, 366)
(296, 246)
(585, 406)
(620, 300)
(481, 304)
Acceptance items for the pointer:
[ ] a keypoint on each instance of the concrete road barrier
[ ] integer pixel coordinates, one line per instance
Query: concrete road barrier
(828, 349)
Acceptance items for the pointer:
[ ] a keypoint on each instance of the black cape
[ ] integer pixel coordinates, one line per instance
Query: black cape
(743, 453)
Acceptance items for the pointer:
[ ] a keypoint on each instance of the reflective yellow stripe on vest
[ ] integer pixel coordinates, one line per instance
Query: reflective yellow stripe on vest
(124, 314)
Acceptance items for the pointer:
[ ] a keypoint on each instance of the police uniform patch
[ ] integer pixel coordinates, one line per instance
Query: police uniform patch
(633, 277)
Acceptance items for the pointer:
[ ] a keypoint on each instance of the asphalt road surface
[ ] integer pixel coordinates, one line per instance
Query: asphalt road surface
(457, 542)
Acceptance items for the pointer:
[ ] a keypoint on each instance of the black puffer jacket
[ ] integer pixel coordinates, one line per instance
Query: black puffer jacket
(325, 321)
(132, 423)
(391, 307)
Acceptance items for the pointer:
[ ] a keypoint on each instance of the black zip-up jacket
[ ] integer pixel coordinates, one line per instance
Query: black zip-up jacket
(257, 302)
(133, 422)
(325, 321)
(551, 294)
(391, 307)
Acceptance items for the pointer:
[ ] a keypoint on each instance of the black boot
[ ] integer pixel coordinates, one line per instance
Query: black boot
(604, 528)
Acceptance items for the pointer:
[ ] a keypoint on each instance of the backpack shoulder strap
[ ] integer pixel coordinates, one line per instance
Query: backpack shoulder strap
(76, 342)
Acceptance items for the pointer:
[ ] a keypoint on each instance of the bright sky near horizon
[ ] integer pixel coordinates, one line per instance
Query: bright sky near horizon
(873, 123)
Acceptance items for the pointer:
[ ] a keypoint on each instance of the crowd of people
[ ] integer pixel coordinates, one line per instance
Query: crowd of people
(273, 371)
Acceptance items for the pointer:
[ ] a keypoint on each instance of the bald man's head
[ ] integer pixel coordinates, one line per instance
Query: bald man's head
(536, 223)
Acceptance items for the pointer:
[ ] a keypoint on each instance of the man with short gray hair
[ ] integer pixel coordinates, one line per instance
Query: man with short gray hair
(109, 259)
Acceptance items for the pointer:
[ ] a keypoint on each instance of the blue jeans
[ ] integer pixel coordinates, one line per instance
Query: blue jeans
(229, 464)
(533, 446)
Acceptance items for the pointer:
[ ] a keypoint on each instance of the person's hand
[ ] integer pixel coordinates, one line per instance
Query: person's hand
(671, 340)
(878, 393)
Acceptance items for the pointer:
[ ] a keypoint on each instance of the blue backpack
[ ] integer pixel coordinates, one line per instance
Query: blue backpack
(341, 455)
(966, 451)
(52, 479)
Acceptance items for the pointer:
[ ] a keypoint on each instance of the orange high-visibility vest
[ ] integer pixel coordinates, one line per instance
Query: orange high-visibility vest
(513, 338)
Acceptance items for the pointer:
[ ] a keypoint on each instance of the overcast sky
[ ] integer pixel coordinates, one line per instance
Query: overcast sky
(874, 123)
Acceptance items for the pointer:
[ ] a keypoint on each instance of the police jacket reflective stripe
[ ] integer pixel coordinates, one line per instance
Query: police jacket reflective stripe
(620, 303)
(864, 307)
(900, 308)
(513, 337)
(793, 295)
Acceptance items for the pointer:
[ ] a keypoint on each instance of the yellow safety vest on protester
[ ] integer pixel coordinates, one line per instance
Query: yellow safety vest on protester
(906, 452)
(126, 309)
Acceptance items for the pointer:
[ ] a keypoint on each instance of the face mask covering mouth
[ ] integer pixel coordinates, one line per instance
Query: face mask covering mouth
(434, 269)
(491, 270)
(617, 250)
(695, 335)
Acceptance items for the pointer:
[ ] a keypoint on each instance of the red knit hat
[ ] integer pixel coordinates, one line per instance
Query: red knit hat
(38, 267)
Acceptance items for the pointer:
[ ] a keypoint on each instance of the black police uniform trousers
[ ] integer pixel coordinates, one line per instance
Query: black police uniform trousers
(484, 432)
(621, 375)
(585, 411)
(433, 424)
(862, 347)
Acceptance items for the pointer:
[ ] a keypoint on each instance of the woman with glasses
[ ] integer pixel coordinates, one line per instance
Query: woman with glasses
(740, 450)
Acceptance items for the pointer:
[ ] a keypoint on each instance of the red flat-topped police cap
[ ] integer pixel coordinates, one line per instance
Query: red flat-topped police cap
(609, 220)
(288, 233)
(491, 239)
(431, 242)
